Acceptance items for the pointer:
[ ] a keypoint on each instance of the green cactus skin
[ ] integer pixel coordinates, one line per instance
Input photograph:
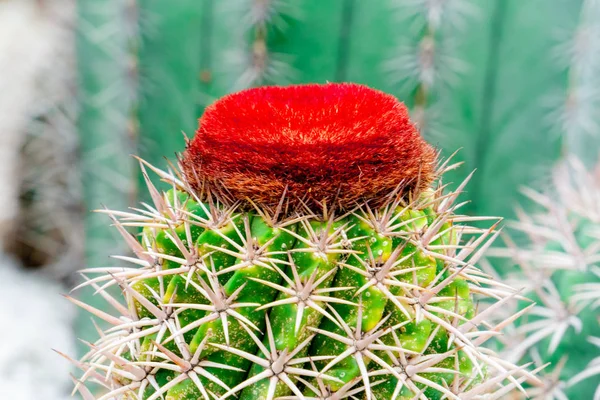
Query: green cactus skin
(290, 327)
(376, 303)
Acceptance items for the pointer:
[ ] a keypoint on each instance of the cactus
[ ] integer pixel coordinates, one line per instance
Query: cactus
(560, 271)
(305, 248)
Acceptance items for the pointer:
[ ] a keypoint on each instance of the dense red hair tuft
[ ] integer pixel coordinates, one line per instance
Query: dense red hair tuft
(334, 142)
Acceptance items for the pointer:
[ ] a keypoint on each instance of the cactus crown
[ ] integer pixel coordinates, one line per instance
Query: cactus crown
(372, 300)
(333, 143)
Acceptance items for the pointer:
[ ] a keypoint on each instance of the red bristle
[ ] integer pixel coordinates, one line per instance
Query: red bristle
(333, 142)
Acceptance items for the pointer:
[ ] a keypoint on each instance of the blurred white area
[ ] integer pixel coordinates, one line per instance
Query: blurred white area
(35, 320)
(35, 41)
(38, 136)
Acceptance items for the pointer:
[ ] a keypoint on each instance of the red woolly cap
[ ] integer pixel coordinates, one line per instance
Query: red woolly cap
(335, 142)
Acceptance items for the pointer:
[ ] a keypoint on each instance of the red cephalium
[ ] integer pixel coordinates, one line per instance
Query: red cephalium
(340, 143)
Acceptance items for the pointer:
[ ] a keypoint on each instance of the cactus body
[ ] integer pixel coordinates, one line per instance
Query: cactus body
(269, 271)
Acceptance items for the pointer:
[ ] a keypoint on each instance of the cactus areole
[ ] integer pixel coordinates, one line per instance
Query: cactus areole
(305, 250)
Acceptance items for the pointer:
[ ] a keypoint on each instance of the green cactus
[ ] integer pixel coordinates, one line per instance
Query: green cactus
(252, 279)
(559, 270)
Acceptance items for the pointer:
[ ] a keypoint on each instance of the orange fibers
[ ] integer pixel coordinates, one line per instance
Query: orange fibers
(338, 143)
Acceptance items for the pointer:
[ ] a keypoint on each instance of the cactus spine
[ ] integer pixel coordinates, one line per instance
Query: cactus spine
(286, 262)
